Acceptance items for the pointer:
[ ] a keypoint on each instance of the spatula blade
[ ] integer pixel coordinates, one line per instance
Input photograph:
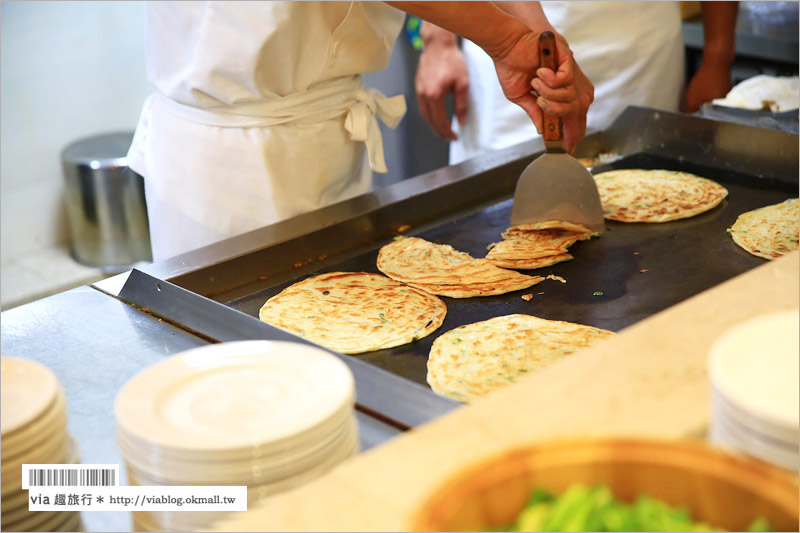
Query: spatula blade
(556, 186)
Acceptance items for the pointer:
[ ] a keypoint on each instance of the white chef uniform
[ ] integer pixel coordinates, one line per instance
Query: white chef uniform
(631, 51)
(259, 114)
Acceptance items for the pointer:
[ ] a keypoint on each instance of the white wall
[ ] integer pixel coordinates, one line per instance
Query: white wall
(68, 70)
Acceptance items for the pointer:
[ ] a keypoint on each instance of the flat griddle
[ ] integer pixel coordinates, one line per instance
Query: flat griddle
(631, 272)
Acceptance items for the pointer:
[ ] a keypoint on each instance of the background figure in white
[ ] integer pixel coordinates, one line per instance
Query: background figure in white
(632, 52)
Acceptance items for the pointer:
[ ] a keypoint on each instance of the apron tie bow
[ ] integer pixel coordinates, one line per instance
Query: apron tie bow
(361, 121)
(328, 100)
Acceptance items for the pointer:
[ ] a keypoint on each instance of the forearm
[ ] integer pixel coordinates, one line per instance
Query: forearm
(481, 22)
(719, 29)
(529, 13)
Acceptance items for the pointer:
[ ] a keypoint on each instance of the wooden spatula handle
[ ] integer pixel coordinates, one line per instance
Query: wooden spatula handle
(548, 58)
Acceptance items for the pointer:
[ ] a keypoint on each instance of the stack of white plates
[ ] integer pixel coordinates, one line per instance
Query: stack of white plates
(268, 415)
(755, 394)
(33, 430)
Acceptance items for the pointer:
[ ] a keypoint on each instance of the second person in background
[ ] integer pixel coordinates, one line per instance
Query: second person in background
(632, 52)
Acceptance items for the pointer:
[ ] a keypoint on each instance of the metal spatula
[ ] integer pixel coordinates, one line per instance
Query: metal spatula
(556, 186)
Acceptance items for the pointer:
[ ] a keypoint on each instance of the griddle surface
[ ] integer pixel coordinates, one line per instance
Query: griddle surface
(631, 272)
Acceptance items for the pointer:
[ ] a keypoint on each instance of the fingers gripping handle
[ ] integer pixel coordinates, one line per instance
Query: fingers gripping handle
(548, 58)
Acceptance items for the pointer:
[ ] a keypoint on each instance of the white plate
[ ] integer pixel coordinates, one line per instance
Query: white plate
(196, 520)
(157, 455)
(40, 521)
(141, 523)
(11, 473)
(52, 450)
(261, 470)
(234, 396)
(755, 365)
(723, 408)
(22, 513)
(749, 434)
(725, 433)
(53, 426)
(75, 524)
(13, 502)
(256, 474)
(14, 497)
(41, 434)
(27, 388)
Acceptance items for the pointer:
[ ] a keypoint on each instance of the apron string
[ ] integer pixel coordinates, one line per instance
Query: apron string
(328, 100)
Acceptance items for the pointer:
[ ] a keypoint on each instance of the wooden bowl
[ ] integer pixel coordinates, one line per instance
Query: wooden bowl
(722, 490)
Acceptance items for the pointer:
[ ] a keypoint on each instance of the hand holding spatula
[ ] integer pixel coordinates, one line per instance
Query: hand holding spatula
(556, 186)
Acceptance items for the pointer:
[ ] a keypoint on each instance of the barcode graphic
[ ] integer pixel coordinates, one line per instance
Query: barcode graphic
(56, 477)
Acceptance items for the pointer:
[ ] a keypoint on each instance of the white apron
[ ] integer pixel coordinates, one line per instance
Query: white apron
(259, 114)
(631, 51)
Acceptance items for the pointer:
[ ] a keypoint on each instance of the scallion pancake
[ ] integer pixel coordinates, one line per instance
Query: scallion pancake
(471, 361)
(354, 312)
(636, 195)
(440, 269)
(529, 246)
(770, 231)
(533, 263)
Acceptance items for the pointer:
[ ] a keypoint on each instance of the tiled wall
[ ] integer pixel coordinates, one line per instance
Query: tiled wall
(68, 70)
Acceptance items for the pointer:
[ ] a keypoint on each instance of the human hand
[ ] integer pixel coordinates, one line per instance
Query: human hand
(565, 93)
(712, 80)
(442, 70)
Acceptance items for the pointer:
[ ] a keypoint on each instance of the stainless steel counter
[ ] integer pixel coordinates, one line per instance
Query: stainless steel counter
(94, 343)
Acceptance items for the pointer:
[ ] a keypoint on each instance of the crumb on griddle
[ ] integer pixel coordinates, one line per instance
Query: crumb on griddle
(304, 263)
(527, 297)
(556, 278)
(642, 271)
(262, 277)
(403, 228)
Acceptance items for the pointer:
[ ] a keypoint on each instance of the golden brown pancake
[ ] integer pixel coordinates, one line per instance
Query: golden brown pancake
(529, 246)
(770, 231)
(440, 269)
(471, 361)
(354, 312)
(636, 195)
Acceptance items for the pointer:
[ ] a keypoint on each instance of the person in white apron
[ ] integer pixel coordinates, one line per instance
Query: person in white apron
(260, 113)
(631, 51)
